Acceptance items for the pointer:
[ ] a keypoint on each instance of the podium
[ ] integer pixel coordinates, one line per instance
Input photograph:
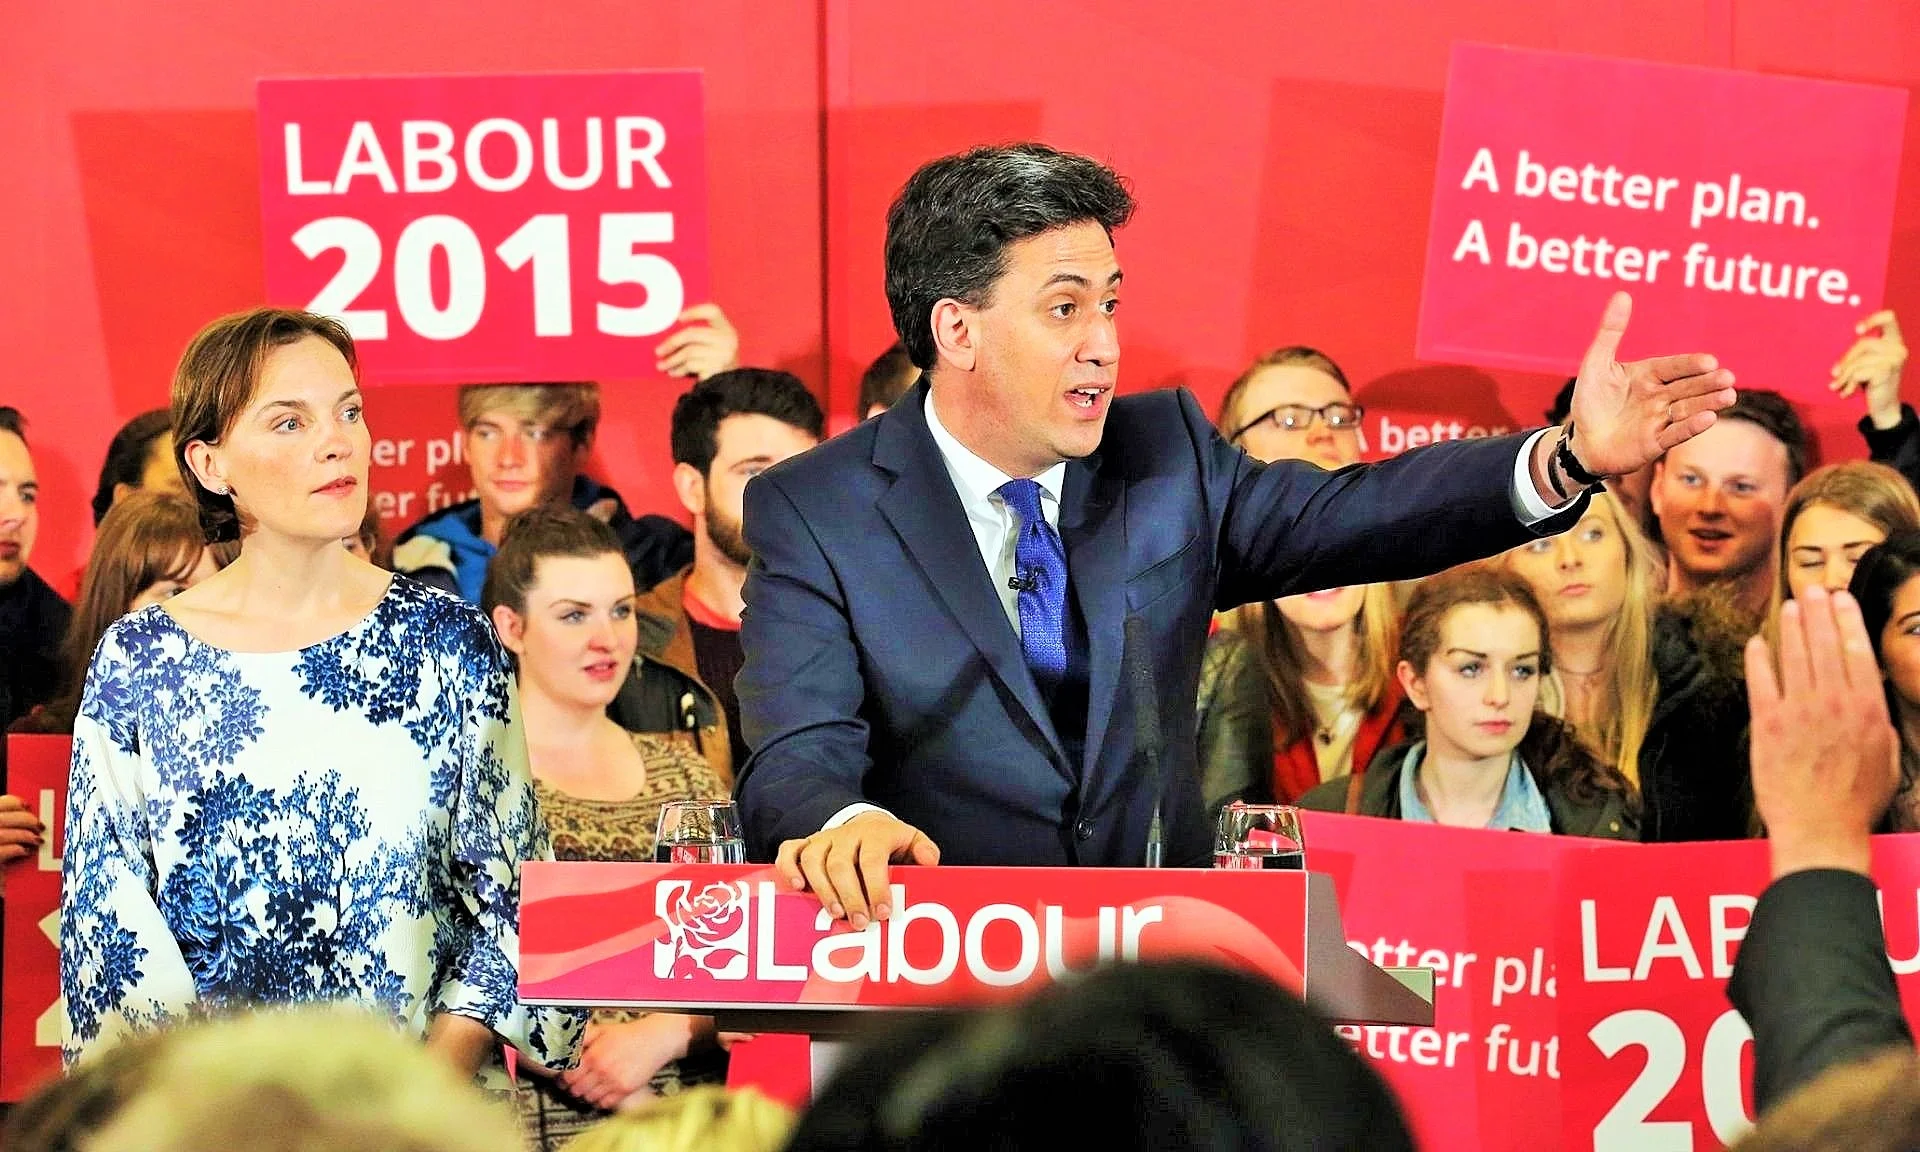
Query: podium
(731, 941)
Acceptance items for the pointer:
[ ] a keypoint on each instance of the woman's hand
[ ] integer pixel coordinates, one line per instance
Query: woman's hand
(617, 1060)
(1873, 364)
(20, 830)
(20, 834)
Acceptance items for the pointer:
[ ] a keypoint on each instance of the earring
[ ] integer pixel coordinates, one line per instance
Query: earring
(222, 491)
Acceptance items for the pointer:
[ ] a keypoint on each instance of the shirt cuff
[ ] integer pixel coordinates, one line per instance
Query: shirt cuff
(1527, 504)
(848, 813)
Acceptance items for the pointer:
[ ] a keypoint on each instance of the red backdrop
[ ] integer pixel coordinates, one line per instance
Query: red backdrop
(1283, 155)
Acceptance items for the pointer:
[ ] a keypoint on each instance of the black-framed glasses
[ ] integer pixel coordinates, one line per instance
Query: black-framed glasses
(1299, 418)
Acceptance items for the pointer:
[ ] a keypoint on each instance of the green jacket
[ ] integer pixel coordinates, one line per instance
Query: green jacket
(1606, 818)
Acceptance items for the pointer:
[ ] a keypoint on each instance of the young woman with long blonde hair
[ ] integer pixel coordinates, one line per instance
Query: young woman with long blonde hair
(1650, 688)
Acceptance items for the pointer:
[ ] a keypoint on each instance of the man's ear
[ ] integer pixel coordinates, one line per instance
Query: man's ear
(1413, 684)
(1653, 487)
(512, 629)
(956, 333)
(691, 487)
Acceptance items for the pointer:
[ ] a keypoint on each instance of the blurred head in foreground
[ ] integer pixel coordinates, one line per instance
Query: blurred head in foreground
(705, 1119)
(1164, 1057)
(311, 1079)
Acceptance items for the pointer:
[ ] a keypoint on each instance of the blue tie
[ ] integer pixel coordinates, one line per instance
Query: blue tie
(1040, 573)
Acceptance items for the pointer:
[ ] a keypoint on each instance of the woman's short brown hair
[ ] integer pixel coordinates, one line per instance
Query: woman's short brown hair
(539, 532)
(216, 380)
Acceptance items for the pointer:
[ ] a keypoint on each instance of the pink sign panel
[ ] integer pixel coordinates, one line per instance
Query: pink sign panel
(474, 229)
(31, 1011)
(665, 934)
(1477, 908)
(1749, 215)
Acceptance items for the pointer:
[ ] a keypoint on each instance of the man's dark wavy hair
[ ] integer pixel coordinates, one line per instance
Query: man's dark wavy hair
(948, 230)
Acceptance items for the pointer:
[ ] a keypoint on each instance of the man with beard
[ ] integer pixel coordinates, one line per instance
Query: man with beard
(728, 429)
(1719, 497)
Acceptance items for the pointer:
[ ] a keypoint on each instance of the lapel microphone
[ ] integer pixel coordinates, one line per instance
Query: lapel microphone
(1024, 583)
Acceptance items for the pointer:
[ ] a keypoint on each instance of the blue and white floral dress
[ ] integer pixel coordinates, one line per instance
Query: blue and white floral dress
(344, 822)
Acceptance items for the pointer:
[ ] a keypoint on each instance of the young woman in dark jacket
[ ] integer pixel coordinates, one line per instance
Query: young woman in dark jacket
(1472, 653)
(1653, 688)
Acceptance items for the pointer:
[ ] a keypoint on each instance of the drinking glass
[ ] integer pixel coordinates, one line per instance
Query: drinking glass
(1259, 836)
(699, 832)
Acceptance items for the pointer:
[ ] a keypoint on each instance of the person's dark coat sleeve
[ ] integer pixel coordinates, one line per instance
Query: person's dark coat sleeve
(1813, 982)
(1897, 447)
(1290, 527)
(797, 626)
(1236, 723)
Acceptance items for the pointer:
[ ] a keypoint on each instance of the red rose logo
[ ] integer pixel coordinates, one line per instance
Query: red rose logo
(707, 932)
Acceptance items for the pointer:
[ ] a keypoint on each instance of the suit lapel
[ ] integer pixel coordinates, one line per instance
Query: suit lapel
(925, 511)
(1092, 527)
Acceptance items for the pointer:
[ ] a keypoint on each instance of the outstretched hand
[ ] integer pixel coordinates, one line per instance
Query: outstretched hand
(1626, 416)
(1825, 756)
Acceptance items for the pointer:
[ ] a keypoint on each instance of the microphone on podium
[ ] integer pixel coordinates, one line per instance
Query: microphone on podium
(1146, 725)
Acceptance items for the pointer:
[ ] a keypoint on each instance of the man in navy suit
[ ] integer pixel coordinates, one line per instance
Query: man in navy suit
(939, 604)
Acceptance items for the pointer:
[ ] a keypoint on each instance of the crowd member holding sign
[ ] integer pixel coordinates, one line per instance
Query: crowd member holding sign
(562, 599)
(1473, 649)
(1297, 691)
(727, 429)
(525, 444)
(303, 778)
(1872, 367)
(1649, 686)
(1811, 976)
(956, 608)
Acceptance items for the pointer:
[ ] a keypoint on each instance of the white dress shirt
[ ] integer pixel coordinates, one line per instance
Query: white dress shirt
(996, 527)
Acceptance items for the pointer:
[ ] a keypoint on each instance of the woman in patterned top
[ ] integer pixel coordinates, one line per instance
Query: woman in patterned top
(561, 595)
(300, 779)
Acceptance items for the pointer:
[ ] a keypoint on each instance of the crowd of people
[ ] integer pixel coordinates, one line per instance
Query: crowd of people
(307, 761)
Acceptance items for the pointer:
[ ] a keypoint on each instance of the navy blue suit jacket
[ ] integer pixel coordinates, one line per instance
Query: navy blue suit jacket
(881, 667)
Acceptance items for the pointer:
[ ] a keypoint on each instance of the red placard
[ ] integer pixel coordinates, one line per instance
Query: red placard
(30, 1005)
(1749, 215)
(1654, 1056)
(1477, 907)
(488, 228)
(674, 935)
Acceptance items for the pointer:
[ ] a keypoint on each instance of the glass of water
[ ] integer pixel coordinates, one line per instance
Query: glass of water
(1259, 836)
(699, 832)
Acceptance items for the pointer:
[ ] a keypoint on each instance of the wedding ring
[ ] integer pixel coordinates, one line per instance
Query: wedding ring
(1671, 419)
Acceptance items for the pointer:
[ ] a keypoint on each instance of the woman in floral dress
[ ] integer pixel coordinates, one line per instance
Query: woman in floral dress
(303, 778)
